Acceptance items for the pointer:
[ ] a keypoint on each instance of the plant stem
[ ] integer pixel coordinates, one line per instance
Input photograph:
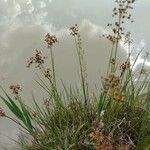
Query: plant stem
(81, 70)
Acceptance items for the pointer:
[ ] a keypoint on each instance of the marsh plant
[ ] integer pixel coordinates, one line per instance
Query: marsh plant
(117, 118)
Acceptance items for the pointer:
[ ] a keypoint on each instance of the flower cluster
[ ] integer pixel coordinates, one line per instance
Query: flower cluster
(48, 74)
(116, 94)
(122, 11)
(38, 59)
(109, 37)
(112, 81)
(2, 113)
(102, 142)
(15, 89)
(50, 40)
(124, 66)
(113, 88)
(74, 30)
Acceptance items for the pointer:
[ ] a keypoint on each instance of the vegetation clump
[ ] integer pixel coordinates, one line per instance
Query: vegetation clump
(117, 118)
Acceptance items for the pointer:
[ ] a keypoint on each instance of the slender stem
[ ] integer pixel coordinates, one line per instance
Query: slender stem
(53, 66)
(117, 38)
(110, 58)
(53, 86)
(81, 71)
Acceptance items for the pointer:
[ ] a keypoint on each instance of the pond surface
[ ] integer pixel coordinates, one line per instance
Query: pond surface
(23, 25)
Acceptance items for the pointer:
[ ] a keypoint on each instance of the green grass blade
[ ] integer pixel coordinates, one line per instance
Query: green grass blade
(14, 108)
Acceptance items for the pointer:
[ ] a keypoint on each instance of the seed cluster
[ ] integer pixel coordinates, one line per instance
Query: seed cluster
(50, 40)
(47, 73)
(122, 11)
(112, 81)
(38, 59)
(124, 66)
(74, 30)
(113, 88)
(15, 89)
(102, 142)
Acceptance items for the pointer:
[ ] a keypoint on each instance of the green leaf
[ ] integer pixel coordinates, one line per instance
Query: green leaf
(14, 108)
(27, 117)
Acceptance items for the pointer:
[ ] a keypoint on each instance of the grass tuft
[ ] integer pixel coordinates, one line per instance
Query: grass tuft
(117, 118)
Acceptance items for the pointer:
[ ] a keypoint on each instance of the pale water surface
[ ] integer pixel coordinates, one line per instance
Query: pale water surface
(23, 25)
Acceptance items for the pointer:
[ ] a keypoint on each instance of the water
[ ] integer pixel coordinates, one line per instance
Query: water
(96, 53)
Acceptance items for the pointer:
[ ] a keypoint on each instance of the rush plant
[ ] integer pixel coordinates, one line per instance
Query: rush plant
(117, 118)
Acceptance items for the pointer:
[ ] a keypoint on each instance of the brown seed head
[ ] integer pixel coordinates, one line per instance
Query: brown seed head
(50, 40)
(125, 66)
(48, 74)
(74, 30)
(101, 141)
(122, 13)
(113, 88)
(15, 89)
(37, 59)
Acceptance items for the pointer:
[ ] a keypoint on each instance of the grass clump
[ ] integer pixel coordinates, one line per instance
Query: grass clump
(117, 118)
